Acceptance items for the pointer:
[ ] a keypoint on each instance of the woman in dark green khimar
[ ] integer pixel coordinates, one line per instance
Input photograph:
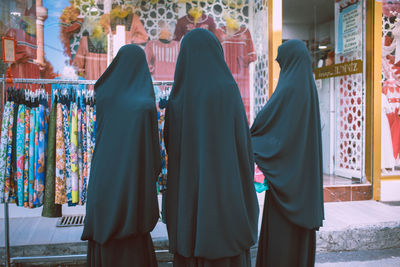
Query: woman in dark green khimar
(211, 204)
(286, 139)
(122, 207)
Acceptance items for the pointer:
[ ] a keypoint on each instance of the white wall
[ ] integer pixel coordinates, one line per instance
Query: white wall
(295, 31)
(390, 190)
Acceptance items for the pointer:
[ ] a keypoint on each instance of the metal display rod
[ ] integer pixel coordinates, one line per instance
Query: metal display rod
(4, 81)
(66, 81)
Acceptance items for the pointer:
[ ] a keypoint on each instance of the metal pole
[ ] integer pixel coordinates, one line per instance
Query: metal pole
(6, 234)
(6, 219)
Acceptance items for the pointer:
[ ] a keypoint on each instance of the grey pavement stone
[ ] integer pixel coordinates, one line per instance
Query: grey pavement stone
(349, 226)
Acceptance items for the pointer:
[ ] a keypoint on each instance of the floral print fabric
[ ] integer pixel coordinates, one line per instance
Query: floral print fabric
(3, 148)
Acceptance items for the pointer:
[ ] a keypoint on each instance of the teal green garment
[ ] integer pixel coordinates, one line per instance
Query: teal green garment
(211, 204)
(261, 187)
(286, 139)
(122, 193)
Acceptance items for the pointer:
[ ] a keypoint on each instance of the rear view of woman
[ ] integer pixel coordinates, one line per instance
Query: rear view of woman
(211, 205)
(286, 138)
(122, 204)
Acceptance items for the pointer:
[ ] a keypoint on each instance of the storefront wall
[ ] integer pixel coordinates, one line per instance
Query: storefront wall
(91, 32)
(389, 109)
(336, 43)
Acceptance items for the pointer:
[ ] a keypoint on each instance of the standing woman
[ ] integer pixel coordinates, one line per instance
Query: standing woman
(286, 138)
(122, 205)
(211, 205)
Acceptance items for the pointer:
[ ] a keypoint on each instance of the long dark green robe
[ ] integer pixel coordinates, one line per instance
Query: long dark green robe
(122, 205)
(211, 204)
(286, 138)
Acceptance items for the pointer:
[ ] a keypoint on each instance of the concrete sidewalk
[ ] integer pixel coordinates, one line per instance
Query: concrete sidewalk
(349, 226)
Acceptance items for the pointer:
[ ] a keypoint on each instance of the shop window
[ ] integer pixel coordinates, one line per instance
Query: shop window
(390, 131)
(333, 32)
(92, 31)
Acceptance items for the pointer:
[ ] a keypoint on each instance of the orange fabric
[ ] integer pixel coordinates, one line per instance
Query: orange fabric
(92, 65)
(137, 33)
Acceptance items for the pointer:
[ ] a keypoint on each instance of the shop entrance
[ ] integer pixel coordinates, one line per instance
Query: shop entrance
(333, 31)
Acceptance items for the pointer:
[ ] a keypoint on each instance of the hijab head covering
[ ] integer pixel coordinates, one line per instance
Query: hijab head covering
(286, 138)
(122, 197)
(211, 205)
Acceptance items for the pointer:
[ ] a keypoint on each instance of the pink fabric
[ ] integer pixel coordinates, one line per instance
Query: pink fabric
(239, 53)
(92, 65)
(186, 24)
(258, 175)
(161, 58)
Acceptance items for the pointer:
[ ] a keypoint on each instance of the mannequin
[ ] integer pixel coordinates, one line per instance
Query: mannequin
(239, 53)
(91, 56)
(161, 56)
(387, 157)
(195, 18)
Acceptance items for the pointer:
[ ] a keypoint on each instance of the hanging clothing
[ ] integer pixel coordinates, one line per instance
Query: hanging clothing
(26, 155)
(290, 160)
(161, 56)
(20, 155)
(135, 33)
(74, 154)
(186, 24)
(31, 179)
(22, 149)
(387, 155)
(50, 207)
(239, 53)
(210, 161)
(8, 183)
(61, 177)
(89, 59)
(122, 215)
(5, 122)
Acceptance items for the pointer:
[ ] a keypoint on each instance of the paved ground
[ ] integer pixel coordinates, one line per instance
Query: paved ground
(358, 226)
(371, 258)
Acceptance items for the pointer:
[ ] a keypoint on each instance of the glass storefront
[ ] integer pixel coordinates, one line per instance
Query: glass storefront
(81, 37)
(390, 116)
(334, 34)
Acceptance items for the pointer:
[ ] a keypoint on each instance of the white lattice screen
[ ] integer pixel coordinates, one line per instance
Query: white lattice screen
(350, 120)
(259, 31)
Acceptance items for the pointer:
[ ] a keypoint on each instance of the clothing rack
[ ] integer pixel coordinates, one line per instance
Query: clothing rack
(4, 81)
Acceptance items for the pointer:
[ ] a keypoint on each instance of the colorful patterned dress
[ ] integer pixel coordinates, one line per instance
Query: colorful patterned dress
(3, 148)
(61, 183)
(74, 154)
(67, 152)
(26, 155)
(31, 176)
(8, 179)
(20, 145)
(39, 166)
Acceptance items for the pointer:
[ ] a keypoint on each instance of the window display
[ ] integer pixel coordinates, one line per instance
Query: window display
(86, 35)
(390, 145)
(92, 33)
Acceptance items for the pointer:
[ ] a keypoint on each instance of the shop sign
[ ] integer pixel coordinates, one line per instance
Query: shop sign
(347, 68)
(8, 44)
(349, 30)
